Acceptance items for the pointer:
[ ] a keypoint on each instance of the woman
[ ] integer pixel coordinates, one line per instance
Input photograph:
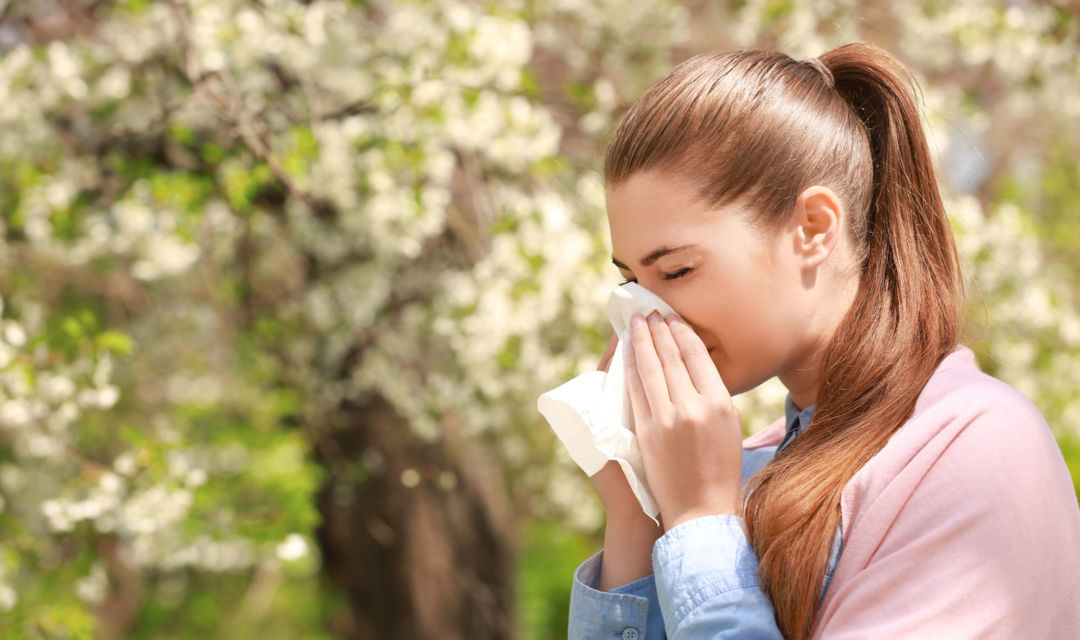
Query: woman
(788, 211)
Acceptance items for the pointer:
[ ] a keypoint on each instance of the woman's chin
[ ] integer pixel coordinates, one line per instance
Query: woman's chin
(730, 378)
(736, 381)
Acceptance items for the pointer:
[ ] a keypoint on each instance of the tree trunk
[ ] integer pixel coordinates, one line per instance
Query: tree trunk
(420, 543)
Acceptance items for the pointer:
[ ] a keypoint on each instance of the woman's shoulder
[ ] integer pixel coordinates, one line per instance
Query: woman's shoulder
(961, 396)
(971, 497)
(967, 429)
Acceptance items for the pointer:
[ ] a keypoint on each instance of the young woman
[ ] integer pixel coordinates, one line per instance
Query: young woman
(788, 211)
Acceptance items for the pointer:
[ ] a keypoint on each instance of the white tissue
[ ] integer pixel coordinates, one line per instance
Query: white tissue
(592, 415)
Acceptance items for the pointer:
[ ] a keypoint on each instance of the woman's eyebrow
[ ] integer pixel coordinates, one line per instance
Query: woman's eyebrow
(652, 257)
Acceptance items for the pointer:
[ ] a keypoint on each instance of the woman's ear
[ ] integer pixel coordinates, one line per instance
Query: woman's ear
(819, 221)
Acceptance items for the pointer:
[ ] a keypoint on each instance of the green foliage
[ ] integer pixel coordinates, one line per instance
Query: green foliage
(1053, 198)
(550, 554)
(215, 232)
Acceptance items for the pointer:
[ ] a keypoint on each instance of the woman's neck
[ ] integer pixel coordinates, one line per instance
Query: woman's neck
(803, 377)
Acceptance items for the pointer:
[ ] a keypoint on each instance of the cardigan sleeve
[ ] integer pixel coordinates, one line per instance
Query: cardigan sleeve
(971, 533)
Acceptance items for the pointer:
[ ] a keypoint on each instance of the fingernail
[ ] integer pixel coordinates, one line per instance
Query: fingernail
(671, 318)
(654, 317)
(636, 320)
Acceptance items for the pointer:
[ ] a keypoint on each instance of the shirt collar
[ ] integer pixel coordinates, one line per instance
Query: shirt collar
(796, 418)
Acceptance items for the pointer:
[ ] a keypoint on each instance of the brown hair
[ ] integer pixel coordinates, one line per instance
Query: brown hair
(760, 127)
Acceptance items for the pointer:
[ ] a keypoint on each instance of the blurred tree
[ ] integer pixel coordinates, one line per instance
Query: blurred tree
(297, 216)
(276, 273)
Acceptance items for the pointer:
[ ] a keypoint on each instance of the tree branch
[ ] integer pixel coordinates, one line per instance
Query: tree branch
(230, 107)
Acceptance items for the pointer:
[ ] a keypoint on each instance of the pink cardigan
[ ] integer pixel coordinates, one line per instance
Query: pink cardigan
(965, 525)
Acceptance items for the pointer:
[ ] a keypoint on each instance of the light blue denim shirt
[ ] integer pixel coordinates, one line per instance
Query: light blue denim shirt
(704, 582)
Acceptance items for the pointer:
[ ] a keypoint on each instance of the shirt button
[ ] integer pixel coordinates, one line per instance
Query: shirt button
(629, 633)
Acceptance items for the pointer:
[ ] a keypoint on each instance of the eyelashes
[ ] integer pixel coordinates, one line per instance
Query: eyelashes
(667, 276)
(678, 274)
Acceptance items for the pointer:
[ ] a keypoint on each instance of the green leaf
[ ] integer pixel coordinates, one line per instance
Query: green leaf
(115, 341)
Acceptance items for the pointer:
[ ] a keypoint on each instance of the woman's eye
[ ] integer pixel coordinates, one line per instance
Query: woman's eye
(677, 274)
(667, 276)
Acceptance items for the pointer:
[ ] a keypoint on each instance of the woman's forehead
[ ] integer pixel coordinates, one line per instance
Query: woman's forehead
(651, 210)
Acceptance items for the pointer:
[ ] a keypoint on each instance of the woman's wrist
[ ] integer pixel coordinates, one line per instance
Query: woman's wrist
(722, 509)
(628, 515)
(628, 544)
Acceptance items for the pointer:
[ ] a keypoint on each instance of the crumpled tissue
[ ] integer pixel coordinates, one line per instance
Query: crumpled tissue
(591, 414)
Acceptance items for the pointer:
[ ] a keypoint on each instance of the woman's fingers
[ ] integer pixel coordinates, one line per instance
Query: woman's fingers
(695, 355)
(679, 386)
(639, 404)
(649, 369)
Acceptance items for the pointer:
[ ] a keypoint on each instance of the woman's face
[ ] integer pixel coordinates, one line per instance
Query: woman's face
(741, 288)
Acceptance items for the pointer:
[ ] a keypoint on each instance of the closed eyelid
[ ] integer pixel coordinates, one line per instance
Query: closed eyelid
(667, 272)
(678, 273)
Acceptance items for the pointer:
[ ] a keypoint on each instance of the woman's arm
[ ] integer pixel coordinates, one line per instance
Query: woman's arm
(705, 571)
(629, 534)
(706, 583)
(738, 610)
(704, 588)
(613, 594)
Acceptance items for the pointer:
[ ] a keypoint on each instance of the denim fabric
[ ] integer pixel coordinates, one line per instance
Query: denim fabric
(797, 420)
(704, 581)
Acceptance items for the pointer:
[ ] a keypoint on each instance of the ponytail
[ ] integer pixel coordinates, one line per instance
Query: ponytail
(905, 319)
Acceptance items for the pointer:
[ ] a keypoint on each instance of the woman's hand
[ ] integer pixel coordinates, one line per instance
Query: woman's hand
(689, 431)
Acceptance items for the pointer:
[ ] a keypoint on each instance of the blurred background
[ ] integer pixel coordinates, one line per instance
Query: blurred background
(281, 280)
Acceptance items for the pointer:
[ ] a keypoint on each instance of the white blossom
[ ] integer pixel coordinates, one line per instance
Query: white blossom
(292, 548)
